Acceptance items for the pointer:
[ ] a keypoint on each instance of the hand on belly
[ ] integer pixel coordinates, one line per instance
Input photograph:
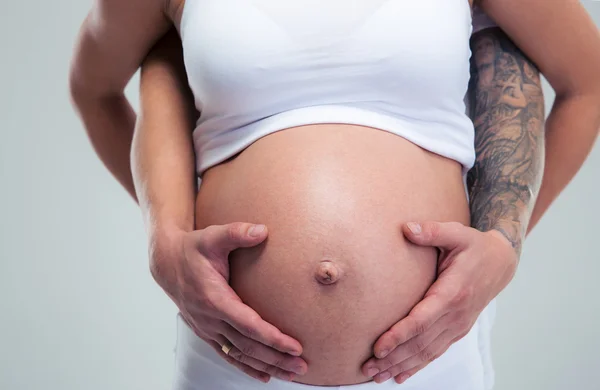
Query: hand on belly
(335, 271)
(336, 298)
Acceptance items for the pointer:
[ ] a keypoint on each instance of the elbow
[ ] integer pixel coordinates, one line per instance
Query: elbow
(89, 83)
(588, 87)
(80, 88)
(85, 90)
(76, 87)
(594, 88)
(580, 106)
(586, 98)
(595, 96)
(81, 68)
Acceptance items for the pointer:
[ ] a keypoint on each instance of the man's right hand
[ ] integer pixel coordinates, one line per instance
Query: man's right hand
(193, 269)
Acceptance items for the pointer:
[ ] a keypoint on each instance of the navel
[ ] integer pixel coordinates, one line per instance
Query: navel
(327, 272)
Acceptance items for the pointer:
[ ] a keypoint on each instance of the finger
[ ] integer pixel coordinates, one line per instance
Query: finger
(426, 356)
(219, 240)
(401, 378)
(256, 374)
(445, 235)
(418, 321)
(253, 349)
(193, 325)
(412, 347)
(250, 324)
(240, 358)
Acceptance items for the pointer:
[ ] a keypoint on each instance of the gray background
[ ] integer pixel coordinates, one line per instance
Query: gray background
(79, 309)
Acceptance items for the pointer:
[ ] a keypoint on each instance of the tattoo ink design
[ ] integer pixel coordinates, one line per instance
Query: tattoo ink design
(507, 108)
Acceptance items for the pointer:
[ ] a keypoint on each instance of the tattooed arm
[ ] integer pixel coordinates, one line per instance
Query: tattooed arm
(507, 107)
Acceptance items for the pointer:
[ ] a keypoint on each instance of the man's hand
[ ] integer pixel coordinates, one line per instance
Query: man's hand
(193, 269)
(473, 268)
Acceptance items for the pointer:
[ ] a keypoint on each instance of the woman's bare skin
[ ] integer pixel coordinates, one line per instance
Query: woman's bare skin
(334, 213)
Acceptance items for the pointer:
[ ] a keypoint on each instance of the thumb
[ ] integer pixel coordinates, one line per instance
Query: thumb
(444, 235)
(222, 239)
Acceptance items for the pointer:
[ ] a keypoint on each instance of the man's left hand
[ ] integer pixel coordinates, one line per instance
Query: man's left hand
(473, 267)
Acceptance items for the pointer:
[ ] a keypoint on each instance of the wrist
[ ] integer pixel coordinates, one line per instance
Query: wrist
(163, 224)
(501, 235)
(507, 257)
(512, 232)
(169, 228)
(502, 239)
(165, 250)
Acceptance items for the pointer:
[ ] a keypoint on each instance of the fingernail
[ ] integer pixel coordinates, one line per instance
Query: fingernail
(383, 353)
(298, 370)
(403, 377)
(372, 372)
(414, 227)
(256, 230)
(384, 376)
(294, 352)
(286, 377)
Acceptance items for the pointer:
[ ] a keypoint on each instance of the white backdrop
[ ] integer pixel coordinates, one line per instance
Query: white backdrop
(79, 310)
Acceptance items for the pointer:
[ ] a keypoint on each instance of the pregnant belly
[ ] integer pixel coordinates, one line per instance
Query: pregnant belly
(335, 271)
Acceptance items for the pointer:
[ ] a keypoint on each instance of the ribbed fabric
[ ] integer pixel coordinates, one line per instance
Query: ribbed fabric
(260, 66)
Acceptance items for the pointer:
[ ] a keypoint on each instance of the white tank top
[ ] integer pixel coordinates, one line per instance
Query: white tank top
(259, 66)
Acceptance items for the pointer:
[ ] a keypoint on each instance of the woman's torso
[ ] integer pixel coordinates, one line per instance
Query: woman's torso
(304, 103)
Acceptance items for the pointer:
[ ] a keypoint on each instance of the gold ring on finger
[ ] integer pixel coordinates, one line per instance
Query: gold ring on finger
(226, 347)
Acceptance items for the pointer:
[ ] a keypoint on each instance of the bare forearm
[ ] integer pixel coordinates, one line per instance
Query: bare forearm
(163, 171)
(109, 123)
(507, 108)
(163, 156)
(571, 130)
